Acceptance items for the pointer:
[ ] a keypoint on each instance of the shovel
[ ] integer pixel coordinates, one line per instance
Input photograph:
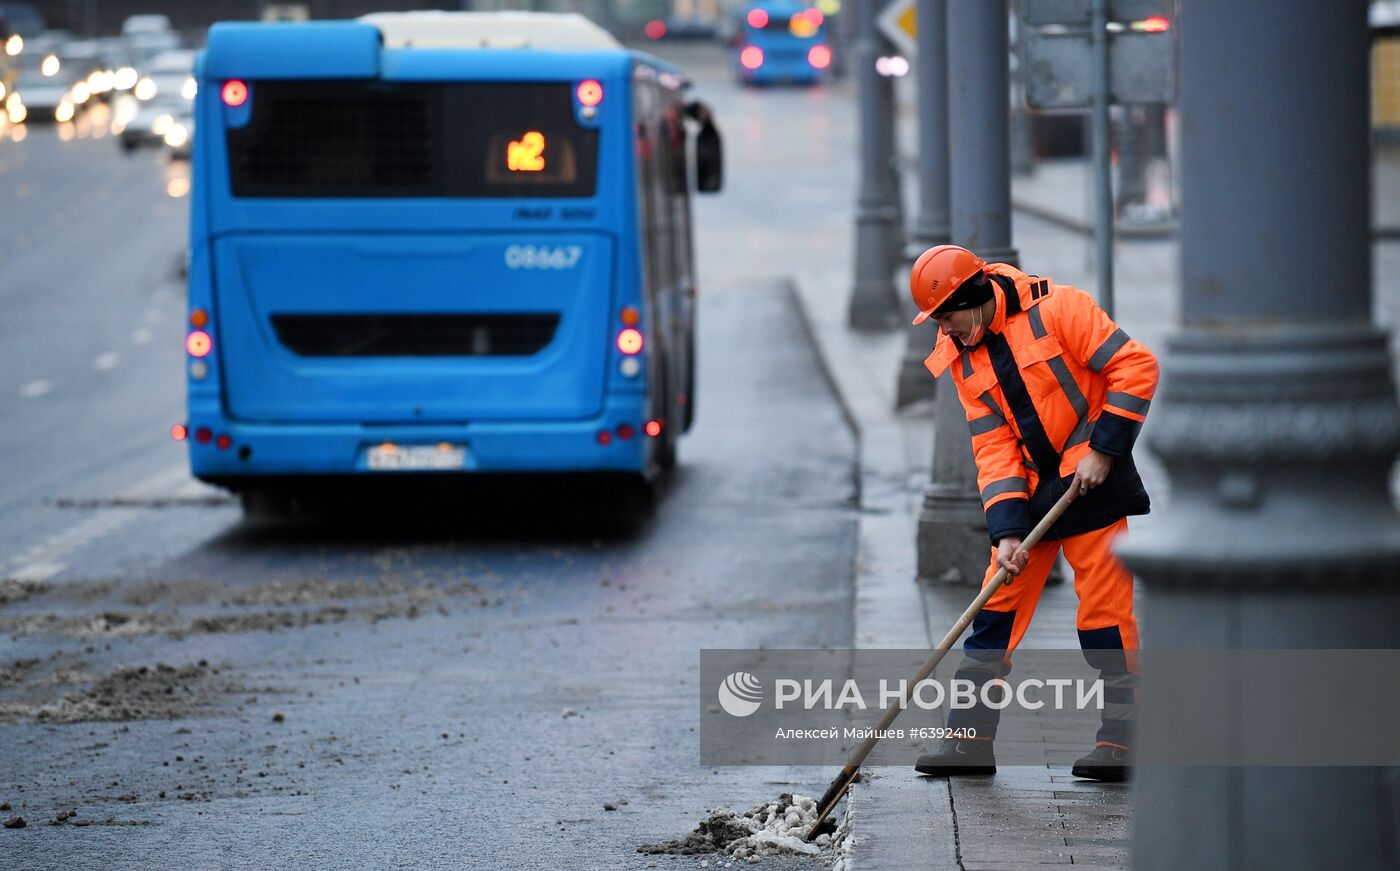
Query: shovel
(847, 776)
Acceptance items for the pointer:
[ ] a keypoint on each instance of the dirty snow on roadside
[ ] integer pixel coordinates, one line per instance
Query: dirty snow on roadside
(767, 829)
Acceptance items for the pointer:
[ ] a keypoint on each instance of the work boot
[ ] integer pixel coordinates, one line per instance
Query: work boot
(1106, 762)
(958, 757)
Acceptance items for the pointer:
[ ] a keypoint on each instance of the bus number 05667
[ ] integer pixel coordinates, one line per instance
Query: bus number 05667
(542, 257)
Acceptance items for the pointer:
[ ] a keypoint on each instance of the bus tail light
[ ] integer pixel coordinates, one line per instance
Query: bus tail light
(179, 432)
(653, 428)
(758, 18)
(625, 431)
(629, 341)
(590, 93)
(234, 93)
(223, 442)
(204, 435)
(630, 317)
(199, 318)
(604, 437)
(751, 57)
(819, 56)
(198, 343)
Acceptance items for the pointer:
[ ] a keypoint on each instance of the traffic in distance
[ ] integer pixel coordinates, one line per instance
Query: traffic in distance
(782, 42)
(439, 243)
(141, 81)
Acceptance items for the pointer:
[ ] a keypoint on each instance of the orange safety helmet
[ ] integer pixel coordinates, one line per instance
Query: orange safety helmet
(937, 273)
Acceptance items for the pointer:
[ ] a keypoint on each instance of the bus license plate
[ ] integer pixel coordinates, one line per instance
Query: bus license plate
(412, 458)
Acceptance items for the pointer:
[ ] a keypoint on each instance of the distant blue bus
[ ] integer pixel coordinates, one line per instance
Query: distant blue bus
(439, 243)
(782, 42)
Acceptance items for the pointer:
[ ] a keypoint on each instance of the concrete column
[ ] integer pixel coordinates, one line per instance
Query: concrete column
(1141, 148)
(953, 544)
(874, 304)
(1022, 134)
(931, 225)
(1278, 425)
(1133, 159)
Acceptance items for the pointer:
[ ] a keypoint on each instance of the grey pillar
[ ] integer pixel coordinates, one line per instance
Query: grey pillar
(1278, 424)
(1141, 148)
(1133, 160)
(1022, 134)
(931, 225)
(874, 305)
(953, 543)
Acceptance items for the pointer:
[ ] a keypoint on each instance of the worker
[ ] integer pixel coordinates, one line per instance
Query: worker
(1055, 394)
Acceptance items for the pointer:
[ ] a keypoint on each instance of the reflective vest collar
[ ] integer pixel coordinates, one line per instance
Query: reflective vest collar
(1008, 301)
(1006, 281)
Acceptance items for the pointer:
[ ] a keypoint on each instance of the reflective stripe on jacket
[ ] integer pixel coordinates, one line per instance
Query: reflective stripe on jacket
(1053, 377)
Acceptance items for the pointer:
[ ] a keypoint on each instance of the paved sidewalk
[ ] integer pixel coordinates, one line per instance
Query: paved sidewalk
(1024, 817)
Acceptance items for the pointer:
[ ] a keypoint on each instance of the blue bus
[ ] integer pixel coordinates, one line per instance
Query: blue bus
(782, 41)
(439, 243)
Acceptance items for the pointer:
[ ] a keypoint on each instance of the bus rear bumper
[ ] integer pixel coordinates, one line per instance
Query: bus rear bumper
(782, 74)
(259, 450)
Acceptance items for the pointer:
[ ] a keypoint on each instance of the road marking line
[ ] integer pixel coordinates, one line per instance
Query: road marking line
(35, 388)
(37, 571)
(141, 336)
(46, 559)
(106, 360)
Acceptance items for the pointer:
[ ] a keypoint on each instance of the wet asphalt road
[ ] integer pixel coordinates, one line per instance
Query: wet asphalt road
(441, 687)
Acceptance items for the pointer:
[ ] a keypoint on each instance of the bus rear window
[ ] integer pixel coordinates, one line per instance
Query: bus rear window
(384, 139)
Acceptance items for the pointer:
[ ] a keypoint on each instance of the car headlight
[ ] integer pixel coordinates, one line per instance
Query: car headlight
(162, 123)
(145, 89)
(189, 89)
(176, 135)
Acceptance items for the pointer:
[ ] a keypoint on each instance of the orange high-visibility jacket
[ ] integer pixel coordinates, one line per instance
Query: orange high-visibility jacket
(1053, 377)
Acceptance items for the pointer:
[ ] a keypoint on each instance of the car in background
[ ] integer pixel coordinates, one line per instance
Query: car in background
(164, 93)
(44, 88)
(86, 66)
(9, 72)
(147, 37)
(678, 29)
(147, 24)
(179, 136)
(121, 60)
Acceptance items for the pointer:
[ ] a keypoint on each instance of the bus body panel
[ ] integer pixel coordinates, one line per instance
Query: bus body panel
(319, 49)
(311, 320)
(785, 54)
(289, 414)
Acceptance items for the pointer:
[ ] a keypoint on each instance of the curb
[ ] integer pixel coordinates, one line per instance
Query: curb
(1144, 232)
(809, 329)
(898, 821)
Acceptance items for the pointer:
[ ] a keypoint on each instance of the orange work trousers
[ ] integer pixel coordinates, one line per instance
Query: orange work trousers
(1102, 583)
(1107, 629)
